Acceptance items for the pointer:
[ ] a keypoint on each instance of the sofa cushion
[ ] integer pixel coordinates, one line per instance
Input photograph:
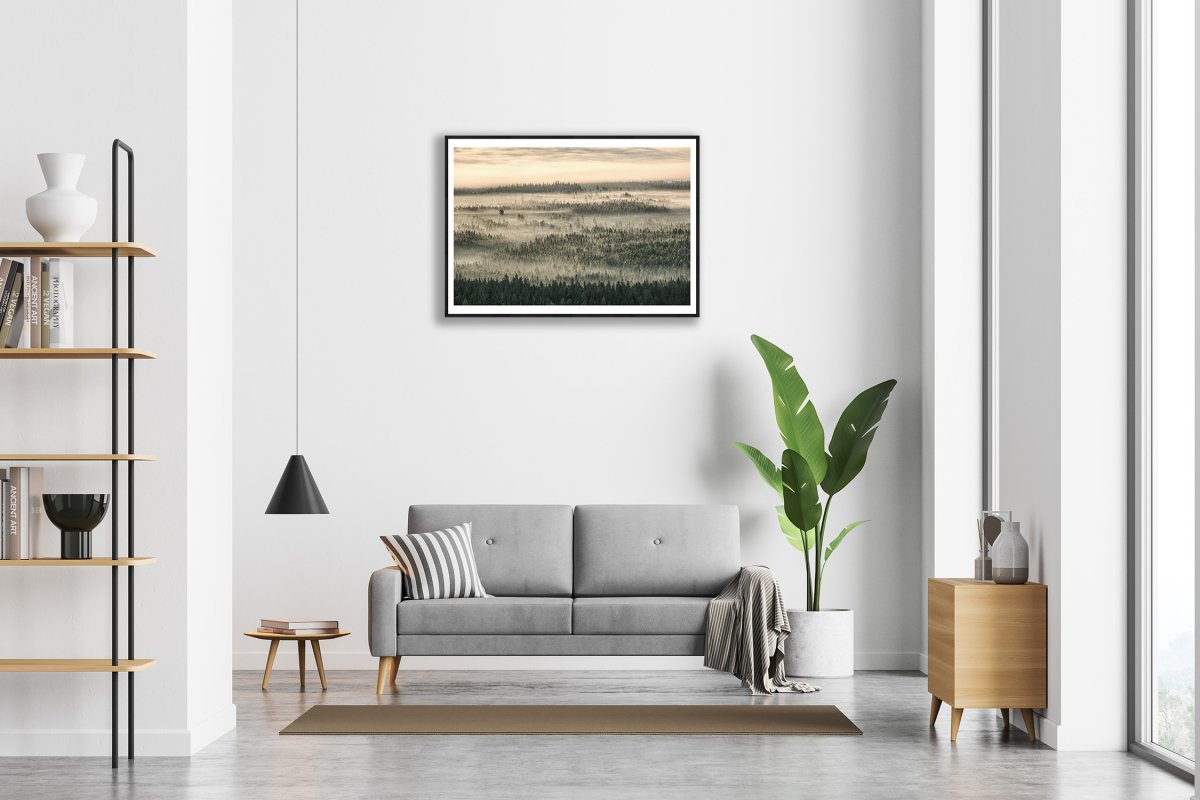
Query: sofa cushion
(519, 550)
(654, 550)
(437, 564)
(639, 615)
(485, 615)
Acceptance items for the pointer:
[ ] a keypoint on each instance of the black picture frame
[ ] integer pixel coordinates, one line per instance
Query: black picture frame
(691, 310)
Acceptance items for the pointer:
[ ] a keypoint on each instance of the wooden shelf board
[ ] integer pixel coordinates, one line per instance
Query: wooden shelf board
(76, 249)
(135, 561)
(74, 664)
(76, 353)
(10, 457)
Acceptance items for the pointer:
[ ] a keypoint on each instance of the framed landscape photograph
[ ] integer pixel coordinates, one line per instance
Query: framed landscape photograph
(572, 226)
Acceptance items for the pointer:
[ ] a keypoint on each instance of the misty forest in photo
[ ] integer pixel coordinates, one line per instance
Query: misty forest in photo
(572, 226)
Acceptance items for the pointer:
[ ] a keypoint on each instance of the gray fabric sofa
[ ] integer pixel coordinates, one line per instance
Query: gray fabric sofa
(588, 580)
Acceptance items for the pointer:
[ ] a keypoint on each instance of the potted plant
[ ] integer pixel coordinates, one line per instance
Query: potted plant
(822, 640)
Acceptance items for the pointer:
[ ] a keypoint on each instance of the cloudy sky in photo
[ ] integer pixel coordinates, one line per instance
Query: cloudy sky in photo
(497, 166)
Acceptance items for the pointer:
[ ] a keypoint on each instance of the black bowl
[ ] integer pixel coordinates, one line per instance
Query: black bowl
(75, 512)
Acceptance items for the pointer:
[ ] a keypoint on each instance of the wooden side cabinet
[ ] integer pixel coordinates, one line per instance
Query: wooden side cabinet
(987, 648)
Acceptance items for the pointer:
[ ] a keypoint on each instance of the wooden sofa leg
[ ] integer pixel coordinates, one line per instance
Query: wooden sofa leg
(387, 666)
(395, 669)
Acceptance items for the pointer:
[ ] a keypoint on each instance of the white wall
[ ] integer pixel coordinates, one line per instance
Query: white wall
(1062, 371)
(809, 115)
(116, 70)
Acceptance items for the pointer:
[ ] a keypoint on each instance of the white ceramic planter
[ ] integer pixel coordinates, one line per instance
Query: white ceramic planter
(61, 213)
(821, 644)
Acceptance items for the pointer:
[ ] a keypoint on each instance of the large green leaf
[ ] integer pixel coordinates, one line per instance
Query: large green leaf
(801, 502)
(766, 467)
(853, 435)
(838, 539)
(801, 540)
(798, 422)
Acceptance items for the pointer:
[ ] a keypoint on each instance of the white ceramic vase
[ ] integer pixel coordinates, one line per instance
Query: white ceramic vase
(61, 213)
(1010, 555)
(821, 644)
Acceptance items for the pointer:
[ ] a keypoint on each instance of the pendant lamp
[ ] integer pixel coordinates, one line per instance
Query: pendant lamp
(297, 491)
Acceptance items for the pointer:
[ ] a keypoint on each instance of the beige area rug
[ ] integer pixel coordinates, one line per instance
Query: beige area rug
(679, 720)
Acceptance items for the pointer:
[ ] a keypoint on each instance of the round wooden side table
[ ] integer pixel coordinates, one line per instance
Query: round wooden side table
(299, 638)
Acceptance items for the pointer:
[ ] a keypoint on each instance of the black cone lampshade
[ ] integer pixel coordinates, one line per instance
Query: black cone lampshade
(297, 492)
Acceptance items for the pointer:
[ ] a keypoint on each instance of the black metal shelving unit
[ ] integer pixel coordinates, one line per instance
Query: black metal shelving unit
(115, 250)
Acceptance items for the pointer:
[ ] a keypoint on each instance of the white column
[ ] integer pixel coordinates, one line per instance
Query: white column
(1092, 674)
(952, 287)
(210, 712)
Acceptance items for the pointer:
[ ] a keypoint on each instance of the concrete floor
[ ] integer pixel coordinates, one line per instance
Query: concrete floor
(898, 757)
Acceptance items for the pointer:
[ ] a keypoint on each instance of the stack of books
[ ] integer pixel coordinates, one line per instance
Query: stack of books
(298, 627)
(37, 303)
(22, 533)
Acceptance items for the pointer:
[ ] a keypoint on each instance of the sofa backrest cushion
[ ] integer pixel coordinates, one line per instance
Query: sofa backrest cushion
(654, 550)
(521, 551)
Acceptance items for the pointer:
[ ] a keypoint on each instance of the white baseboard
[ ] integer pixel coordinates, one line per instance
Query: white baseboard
(923, 663)
(363, 660)
(211, 729)
(890, 661)
(151, 742)
(1047, 729)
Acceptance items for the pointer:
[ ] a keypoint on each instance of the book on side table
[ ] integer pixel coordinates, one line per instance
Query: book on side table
(298, 627)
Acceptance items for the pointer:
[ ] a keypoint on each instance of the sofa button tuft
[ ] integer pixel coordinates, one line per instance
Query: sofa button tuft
(658, 541)
(490, 541)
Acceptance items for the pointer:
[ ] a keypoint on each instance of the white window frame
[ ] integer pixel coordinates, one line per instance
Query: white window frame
(1141, 259)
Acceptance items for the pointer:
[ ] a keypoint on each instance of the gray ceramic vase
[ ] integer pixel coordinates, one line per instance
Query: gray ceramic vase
(1010, 555)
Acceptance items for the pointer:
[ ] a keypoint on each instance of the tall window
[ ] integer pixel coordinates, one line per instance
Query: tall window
(1164, 191)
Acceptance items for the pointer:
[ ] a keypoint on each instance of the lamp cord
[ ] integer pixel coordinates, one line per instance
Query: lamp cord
(297, 227)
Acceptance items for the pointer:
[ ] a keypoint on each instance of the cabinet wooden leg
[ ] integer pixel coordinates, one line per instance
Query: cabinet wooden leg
(316, 646)
(1004, 714)
(395, 668)
(270, 662)
(300, 646)
(1027, 715)
(955, 719)
(935, 705)
(385, 670)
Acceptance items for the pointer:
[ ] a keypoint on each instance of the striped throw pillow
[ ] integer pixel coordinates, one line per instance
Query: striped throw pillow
(437, 565)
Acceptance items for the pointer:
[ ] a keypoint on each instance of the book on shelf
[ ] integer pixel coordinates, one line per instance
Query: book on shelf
(4, 488)
(23, 520)
(16, 333)
(7, 273)
(31, 330)
(10, 298)
(45, 302)
(62, 303)
(287, 625)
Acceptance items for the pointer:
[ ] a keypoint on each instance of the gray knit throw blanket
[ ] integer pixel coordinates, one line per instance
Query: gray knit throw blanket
(747, 628)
